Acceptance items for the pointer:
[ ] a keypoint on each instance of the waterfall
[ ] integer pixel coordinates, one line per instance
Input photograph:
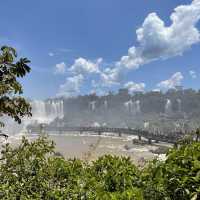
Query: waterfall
(46, 112)
(39, 111)
(133, 107)
(129, 106)
(55, 109)
(42, 112)
(179, 105)
(137, 107)
(92, 105)
(146, 124)
(105, 103)
(168, 107)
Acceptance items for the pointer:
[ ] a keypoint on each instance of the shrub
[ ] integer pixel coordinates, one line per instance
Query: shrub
(33, 171)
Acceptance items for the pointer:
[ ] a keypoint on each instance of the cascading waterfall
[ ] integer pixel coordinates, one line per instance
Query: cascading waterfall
(129, 105)
(137, 107)
(146, 124)
(179, 105)
(92, 105)
(42, 112)
(133, 107)
(105, 103)
(38, 111)
(168, 107)
(46, 112)
(54, 109)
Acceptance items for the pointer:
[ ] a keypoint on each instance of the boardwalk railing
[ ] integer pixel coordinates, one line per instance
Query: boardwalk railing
(170, 138)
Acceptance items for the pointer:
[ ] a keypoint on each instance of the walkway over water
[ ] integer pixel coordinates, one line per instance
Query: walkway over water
(169, 138)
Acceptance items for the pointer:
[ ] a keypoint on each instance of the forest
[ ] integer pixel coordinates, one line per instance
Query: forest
(34, 171)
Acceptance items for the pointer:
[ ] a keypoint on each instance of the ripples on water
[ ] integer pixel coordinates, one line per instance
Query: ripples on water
(75, 145)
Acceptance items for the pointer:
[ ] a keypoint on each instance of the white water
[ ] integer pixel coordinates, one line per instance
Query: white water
(46, 112)
(92, 105)
(146, 125)
(42, 112)
(137, 107)
(179, 105)
(168, 107)
(106, 104)
(133, 107)
(129, 105)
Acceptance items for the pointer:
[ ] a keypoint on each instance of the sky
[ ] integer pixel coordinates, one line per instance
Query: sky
(81, 47)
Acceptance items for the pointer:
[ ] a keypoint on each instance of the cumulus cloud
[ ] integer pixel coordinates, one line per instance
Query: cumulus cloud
(60, 68)
(79, 73)
(158, 41)
(193, 74)
(71, 87)
(172, 82)
(111, 76)
(134, 87)
(84, 66)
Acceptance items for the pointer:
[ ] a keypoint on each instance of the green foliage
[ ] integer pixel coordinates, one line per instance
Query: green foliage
(176, 178)
(118, 174)
(183, 172)
(22, 173)
(33, 171)
(11, 103)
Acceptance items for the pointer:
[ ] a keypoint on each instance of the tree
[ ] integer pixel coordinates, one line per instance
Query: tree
(33, 171)
(11, 103)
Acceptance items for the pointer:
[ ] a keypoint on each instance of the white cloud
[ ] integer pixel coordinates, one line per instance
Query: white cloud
(111, 76)
(51, 54)
(80, 71)
(71, 87)
(83, 66)
(172, 82)
(94, 84)
(158, 41)
(60, 68)
(193, 74)
(59, 51)
(135, 87)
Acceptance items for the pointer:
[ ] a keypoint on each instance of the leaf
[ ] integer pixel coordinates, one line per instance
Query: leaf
(194, 197)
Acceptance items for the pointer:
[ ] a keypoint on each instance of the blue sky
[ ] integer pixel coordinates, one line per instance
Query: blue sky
(77, 47)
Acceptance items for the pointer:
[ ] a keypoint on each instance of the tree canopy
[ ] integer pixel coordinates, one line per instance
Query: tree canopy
(11, 103)
(33, 171)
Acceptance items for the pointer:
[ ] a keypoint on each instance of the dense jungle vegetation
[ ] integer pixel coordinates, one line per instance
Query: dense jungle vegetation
(33, 171)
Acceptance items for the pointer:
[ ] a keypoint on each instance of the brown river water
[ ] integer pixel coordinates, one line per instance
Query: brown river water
(89, 147)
